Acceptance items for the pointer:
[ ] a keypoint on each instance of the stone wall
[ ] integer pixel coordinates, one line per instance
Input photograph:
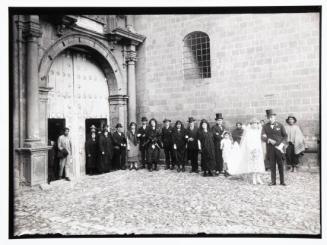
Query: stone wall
(258, 61)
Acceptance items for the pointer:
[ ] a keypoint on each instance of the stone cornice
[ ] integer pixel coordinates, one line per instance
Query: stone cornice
(124, 34)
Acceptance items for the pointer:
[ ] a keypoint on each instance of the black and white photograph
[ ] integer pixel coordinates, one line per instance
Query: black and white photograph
(165, 121)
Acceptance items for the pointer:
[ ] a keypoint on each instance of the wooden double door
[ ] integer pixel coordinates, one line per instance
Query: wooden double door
(79, 92)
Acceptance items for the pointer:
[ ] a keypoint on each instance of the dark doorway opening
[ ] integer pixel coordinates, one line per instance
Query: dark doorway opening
(55, 129)
(97, 122)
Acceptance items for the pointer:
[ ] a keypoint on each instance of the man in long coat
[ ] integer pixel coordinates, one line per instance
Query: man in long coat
(192, 145)
(218, 131)
(106, 151)
(91, 150)
(166, 138)
(141, 134)
(275, 136)
(120, 147)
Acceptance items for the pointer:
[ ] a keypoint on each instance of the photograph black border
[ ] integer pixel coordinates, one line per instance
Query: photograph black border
(151, 11)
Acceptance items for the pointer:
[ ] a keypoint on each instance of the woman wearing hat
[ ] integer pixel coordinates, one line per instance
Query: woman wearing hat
(105, 151)
(179, 145)
(192, 145)
(120, 146)
(153, 145)
(132, 147)
(207, 148)
(91, 150)
(296, 143)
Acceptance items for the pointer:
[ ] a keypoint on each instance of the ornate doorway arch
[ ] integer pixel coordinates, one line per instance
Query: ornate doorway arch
(105, 60)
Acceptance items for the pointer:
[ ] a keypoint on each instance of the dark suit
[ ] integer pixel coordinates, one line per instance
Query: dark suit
(91, 150)
(192, 147)
(143, 140)
(217, 137)
(274, 156)
(167, 141)
(120, 145)
(106, 153)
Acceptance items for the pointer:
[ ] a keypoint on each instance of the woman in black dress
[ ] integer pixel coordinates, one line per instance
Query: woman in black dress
(179, 145)
(153, 144)
(207, 148)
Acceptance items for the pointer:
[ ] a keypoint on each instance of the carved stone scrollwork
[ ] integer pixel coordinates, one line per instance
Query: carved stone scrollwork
(64, 23)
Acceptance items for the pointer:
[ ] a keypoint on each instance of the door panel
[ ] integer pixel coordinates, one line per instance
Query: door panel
(80, 91)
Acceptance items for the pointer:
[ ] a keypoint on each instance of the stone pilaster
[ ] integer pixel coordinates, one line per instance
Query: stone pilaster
(131, 86)
(118, 110)
(34, 153)
(32, 33)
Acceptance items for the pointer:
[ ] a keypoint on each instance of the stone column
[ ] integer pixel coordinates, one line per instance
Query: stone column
(32, 85)
(131, 86)
(33, 156)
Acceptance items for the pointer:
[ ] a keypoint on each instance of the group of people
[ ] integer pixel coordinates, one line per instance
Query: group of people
(248, 149)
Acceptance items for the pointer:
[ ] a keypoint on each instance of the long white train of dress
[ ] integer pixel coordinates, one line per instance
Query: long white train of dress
(248, 156)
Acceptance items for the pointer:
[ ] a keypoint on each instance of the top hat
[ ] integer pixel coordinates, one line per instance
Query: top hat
(270, 112)
(119, 125)
(166, 120)
(191, 119)
(144, 119)
(219, 116)
(93, 127)
(291, 116)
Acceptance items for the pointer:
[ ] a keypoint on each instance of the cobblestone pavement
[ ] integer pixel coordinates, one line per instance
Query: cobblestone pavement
(169, 202)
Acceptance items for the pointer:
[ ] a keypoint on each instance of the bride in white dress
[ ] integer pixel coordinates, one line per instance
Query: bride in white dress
(248, 157)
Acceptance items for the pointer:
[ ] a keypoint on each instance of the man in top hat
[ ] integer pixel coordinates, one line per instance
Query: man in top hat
(296, 143)
(275, 136)
(91, 150)
(192, 144)
(141, 134)
(218, 131)
(167, 141)
(120, 146)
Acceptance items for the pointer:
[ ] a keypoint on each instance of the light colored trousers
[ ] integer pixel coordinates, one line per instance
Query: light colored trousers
(64, 164)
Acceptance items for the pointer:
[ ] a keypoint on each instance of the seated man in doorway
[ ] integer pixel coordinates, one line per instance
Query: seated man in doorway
(65, 154)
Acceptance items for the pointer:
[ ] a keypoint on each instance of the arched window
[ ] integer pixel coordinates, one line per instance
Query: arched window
(196, 56)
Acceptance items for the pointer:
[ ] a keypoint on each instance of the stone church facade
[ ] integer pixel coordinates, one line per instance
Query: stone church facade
(77, 70)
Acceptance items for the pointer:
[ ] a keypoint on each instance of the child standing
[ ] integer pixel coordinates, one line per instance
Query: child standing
(226, 147)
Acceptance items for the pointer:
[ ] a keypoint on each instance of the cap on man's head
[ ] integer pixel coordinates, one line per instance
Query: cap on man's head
(191, 119)
(144, 119)
(119, 125)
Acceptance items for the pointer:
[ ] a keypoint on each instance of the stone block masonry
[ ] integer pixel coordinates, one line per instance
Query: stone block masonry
(258, 61)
